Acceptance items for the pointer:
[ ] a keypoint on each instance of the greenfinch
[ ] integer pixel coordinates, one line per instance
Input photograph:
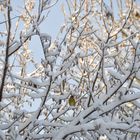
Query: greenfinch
(72, 101)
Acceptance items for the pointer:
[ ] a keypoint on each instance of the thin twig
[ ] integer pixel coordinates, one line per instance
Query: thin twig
(6, 55)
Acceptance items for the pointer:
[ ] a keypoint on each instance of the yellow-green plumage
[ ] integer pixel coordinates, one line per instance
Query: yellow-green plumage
(72, 101)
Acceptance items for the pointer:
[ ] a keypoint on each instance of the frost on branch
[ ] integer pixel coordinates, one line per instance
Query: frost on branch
(95, 59)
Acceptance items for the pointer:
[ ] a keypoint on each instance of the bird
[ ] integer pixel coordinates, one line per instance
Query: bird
(72, 101)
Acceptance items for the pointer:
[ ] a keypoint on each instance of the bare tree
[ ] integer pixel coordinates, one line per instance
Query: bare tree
(86, 84)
